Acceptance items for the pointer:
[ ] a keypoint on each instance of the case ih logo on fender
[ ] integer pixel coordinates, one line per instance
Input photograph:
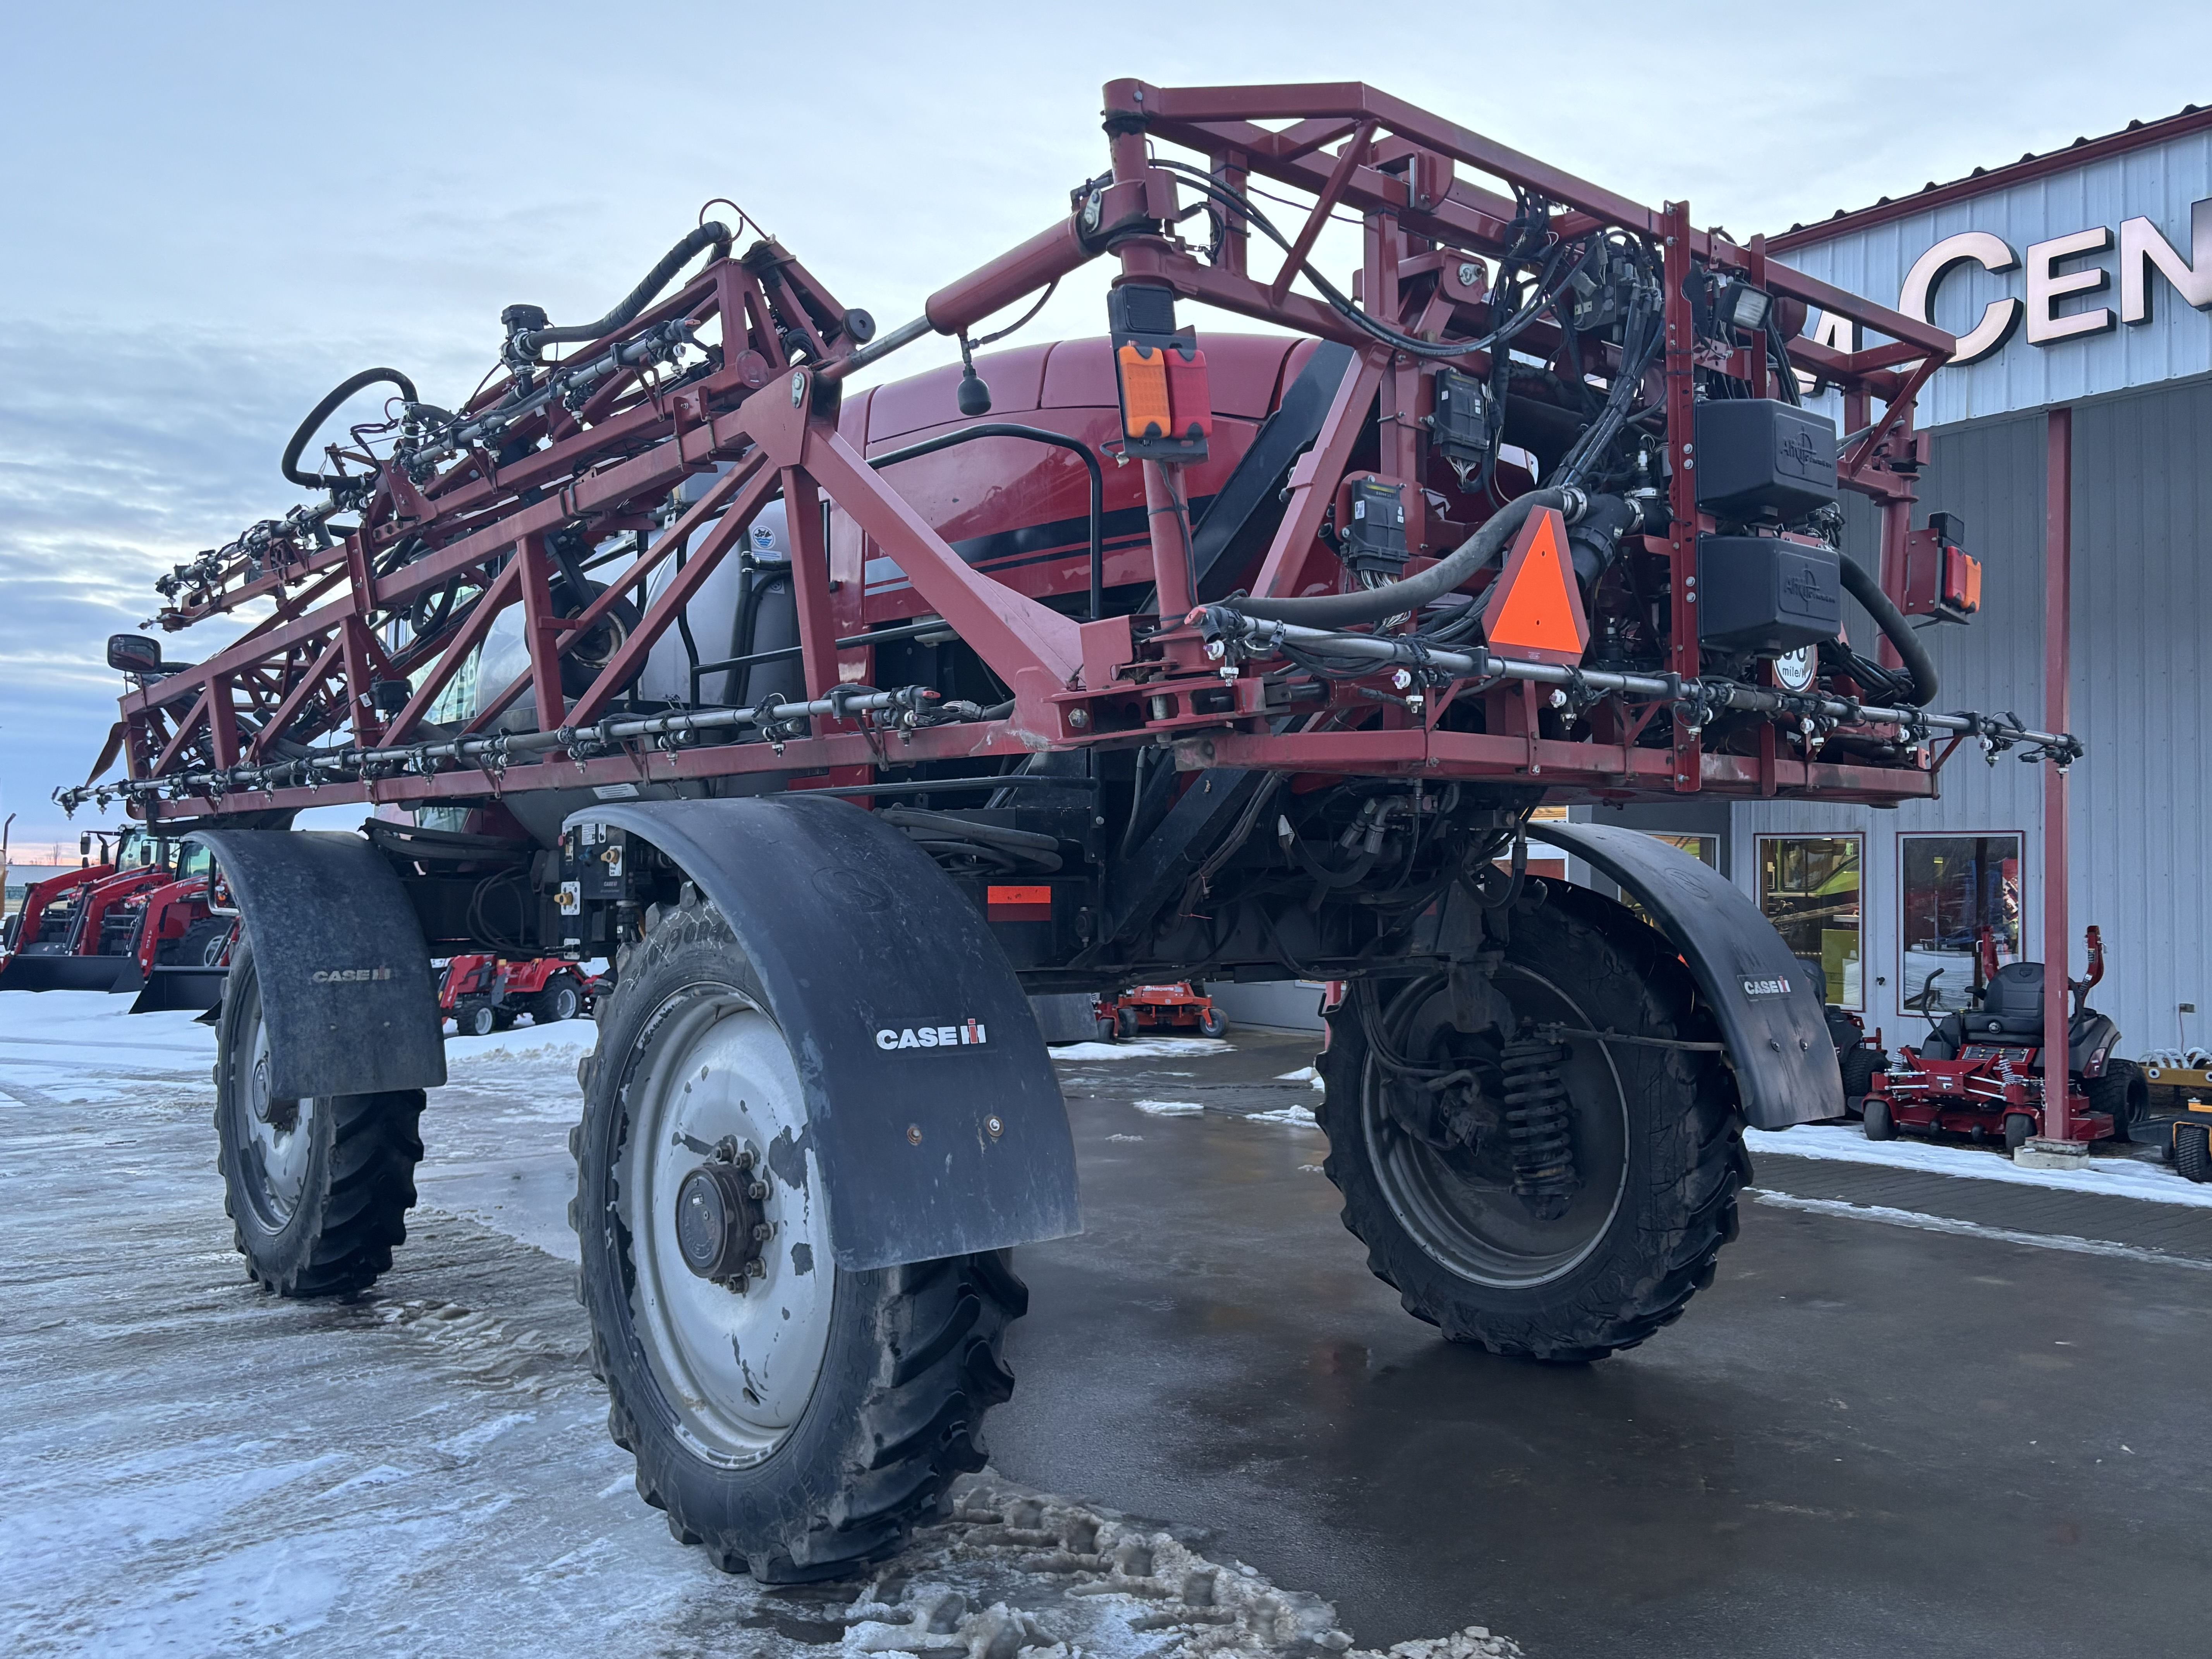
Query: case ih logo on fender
(1766, 987)
(967, 1033)
(349, 975)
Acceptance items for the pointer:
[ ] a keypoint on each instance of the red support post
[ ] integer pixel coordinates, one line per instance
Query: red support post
(542, 633)
(1167, 511)
(2058, 710)
(1683, 497)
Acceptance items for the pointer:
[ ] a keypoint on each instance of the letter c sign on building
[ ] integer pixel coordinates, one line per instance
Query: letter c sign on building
(1999, 319)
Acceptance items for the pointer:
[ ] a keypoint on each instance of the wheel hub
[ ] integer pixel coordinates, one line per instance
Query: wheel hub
(721, 1226)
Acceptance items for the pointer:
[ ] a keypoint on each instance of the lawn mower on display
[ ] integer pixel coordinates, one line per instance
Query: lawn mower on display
(1982, 1072)
(1179, 1006)
(845, 718)
(482, 994)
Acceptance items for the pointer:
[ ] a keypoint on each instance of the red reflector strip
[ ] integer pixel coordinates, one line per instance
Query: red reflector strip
(1017, 903)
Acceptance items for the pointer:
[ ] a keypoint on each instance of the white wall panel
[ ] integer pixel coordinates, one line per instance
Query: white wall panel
(2141, 618)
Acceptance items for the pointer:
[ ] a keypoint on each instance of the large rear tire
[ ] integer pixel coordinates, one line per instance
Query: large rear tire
(1563, 1269)
(795, 1417)
(2192, 1152)
(562, 999)
(2124, 1093)
(317, 1190)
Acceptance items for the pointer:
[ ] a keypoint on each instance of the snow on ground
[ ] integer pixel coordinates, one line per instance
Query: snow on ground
(2113, 1178)
(190, 1466)
(1144, 1048)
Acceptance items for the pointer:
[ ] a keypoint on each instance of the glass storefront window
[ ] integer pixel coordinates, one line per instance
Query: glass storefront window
(1950, 889)
(1808, 888)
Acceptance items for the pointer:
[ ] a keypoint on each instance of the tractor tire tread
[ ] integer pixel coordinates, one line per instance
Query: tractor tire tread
(376, 1143)
(1697, 1171)
(938, 1329)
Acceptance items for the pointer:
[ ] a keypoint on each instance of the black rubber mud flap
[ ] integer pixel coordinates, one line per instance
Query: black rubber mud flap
(937, 1120)
(1763, 998)
(346, 988)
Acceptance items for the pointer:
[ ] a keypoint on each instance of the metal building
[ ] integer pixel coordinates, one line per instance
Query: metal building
(2080, 282)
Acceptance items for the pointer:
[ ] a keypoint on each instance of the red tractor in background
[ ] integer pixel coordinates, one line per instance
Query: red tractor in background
(483, 993)
(140, 919)
(1181, 1004)
(1981, 1070)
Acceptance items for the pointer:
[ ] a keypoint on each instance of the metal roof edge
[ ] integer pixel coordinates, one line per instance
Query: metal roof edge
(2080, 153)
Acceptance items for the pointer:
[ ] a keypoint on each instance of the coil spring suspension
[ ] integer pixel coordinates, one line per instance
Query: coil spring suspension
(1537, 1120)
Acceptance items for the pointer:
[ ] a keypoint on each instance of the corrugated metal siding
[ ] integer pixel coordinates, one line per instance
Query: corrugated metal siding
(2141, 812)
(1992, 475)
(2141, 618)
(2158, 183)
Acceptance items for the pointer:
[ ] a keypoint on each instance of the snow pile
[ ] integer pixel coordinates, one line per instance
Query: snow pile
(968, 1589)
(1305, 1074)
(2110, 1177)
(1143, 1048)
(1168, 1107)
(1298, 1117)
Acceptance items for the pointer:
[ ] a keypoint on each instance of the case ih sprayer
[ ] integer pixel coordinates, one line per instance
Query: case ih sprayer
(840, 720)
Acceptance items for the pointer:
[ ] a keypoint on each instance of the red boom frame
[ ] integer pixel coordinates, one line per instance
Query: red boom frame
(202, 737)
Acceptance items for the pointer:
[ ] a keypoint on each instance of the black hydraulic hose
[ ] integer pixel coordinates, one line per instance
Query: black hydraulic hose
(1859, 583)
(714, 231)
(321, 412)
(1039, 435)
(1395, 599)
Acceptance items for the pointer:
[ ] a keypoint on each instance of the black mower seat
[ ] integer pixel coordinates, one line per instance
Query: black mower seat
(2009, 1014)
(2011, 1008)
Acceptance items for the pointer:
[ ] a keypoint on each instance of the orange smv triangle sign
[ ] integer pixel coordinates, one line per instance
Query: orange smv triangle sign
(1535, 609)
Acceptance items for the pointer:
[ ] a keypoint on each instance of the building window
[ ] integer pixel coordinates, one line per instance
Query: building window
(1808, 888)
(1950, 890)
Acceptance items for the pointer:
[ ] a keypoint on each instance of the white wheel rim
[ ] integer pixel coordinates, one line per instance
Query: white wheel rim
(737, 1370)
(281, 1150)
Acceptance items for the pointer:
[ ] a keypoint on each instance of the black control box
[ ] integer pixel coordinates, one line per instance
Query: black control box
(1758, 455)
(1371, 540)
(1761, 593)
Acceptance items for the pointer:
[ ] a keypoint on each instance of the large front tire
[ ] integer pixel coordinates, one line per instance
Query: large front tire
(795, 1417)
(317, 1190)
(1527, 1261)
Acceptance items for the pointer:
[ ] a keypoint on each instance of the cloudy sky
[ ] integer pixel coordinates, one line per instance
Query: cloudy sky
(217, 212)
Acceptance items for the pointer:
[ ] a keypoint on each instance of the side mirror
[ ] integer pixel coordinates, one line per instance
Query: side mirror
(134, 653)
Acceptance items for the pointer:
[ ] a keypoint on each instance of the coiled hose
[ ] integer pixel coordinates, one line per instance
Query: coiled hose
(1860, 583)
(322, 412)
(714, 233)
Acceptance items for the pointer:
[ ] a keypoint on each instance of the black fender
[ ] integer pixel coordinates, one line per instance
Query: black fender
(346, 989)
(1771, 1016)
(858, 940)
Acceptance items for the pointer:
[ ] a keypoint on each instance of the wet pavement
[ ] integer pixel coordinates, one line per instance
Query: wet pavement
(1866, 1438)
(1916, 1414)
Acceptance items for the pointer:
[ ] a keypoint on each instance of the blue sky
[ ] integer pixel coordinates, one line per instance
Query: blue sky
(216, 212)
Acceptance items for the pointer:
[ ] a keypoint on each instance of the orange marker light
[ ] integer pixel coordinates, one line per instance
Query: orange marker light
(1146, 411)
